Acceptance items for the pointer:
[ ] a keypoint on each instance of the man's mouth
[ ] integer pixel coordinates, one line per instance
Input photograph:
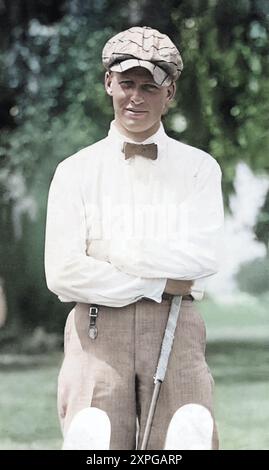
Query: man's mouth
(136, 112)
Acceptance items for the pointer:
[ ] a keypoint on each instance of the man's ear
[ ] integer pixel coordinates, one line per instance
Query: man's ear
(171, 91)
(108, 80)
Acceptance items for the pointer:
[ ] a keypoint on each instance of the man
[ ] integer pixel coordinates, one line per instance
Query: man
(133, 220)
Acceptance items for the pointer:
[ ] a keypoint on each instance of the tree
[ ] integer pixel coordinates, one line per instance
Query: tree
(54, 104)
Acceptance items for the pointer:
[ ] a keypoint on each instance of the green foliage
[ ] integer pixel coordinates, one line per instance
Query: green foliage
(65, 110)
(52, 85)
(226, 69)
(253, 277)
(262, 224)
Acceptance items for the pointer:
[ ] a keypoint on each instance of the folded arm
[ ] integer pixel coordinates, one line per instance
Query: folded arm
(70, 273)
(193, 253)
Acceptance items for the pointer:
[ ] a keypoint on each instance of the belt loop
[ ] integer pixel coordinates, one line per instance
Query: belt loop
(93, 314)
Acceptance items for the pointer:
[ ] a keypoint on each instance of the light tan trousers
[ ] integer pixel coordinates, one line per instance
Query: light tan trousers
(115, 371)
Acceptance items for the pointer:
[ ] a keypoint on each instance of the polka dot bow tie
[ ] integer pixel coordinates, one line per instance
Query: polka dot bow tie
(144, 150)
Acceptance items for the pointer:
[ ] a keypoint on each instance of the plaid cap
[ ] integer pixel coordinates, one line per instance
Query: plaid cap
(144, 47)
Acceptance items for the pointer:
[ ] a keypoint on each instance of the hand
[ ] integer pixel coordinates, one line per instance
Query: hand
(175, 287)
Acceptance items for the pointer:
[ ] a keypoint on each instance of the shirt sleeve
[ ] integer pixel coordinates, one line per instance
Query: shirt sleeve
(70, 273)
(194, 253)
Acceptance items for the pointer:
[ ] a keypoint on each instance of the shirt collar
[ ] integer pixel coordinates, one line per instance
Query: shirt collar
(158, 138)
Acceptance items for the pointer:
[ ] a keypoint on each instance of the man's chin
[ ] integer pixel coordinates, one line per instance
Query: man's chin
(136, 128)
(141, 126)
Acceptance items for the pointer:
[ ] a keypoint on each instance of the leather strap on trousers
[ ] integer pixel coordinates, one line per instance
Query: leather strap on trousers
(166, 296)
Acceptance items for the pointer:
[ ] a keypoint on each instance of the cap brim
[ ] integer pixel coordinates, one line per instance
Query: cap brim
(160, 76)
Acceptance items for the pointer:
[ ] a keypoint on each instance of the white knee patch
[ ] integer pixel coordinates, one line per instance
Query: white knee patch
(90, 429)
(191, 428)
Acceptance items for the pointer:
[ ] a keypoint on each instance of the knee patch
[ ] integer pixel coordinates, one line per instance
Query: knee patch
(191, 428)
(90, 429)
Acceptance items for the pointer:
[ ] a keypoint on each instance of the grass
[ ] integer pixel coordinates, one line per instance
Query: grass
(28, 416)
(237, 354)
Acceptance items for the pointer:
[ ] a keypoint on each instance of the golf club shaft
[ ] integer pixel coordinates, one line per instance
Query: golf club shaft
(162, 363)
(153, 404)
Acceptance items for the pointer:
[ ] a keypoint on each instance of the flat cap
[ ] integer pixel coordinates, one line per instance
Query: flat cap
(144, 47)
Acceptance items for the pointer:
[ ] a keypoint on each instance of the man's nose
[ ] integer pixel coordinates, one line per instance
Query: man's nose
(137, 96)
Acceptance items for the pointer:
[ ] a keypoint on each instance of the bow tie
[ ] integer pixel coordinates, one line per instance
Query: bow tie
(147, 150)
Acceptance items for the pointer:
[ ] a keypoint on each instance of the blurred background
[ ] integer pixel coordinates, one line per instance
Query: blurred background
(52, 103)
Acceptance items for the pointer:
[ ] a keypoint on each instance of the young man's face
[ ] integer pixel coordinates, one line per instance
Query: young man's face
(138, 101)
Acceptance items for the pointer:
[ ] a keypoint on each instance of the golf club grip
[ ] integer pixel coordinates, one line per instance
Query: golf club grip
(168, 338)
(153, 404)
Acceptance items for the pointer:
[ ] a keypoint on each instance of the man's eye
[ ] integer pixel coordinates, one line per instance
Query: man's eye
(126, 83)
(150, 87)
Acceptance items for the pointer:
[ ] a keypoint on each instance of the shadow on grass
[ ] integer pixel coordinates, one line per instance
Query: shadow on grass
(24, 362)
(230, 361)
(241, 361)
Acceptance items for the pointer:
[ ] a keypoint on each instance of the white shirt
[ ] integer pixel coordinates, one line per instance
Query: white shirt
(117, 229)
